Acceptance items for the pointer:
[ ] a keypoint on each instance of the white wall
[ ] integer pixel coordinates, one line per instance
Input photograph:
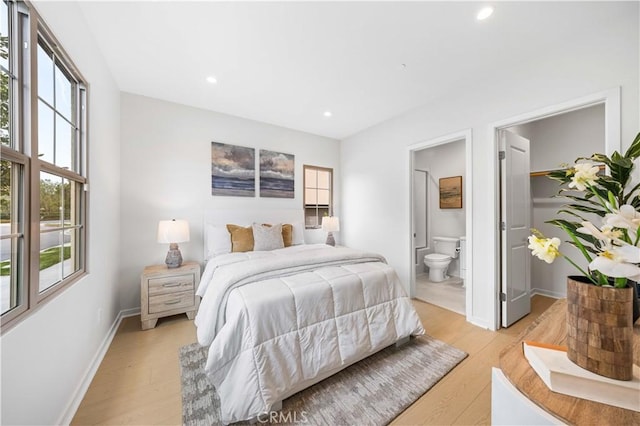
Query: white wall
(166, 173)
(375, 165)
(568, 136)
(443, 161)
(45, 357)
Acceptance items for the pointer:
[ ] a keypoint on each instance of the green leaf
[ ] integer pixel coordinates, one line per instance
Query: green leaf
(586, 209)
(634, 150)
(620, 282)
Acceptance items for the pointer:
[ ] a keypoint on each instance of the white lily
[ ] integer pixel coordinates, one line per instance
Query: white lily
(584, 174)
(626, 217)
(544, 248)
(618, 261)
(607, 234)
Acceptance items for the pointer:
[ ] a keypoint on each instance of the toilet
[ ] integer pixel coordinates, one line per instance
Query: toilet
(445, 248)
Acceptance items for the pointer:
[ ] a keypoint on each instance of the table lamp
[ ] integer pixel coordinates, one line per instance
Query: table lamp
(330, 224)
(173, 232)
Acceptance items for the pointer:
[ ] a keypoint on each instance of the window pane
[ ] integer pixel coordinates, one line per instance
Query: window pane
(9, 273)
(51, 253)
(323, 197)
(12, 248)
(310, 196)
(324, 179)
(50, 201)
(5, 196)
(71, 204)
(45, 132)
(5, 106)
(67, 206)
(45, 75)
(71, 261)
(64, 144)
(310, 178)
(64, 90)
(310, 218)
(4, 35)
(6, 249)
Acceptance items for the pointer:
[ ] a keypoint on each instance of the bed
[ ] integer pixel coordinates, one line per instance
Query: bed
(278, 321)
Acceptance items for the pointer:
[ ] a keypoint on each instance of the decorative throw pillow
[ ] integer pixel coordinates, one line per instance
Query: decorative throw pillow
(287, 234)
(218, 240)
(267, 237)
(297, 233)
(241, 238)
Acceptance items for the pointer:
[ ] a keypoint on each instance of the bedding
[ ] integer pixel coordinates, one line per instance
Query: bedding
(277, 321)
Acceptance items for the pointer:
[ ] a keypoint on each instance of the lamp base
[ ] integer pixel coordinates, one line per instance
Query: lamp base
(174, 257)
(330, 240)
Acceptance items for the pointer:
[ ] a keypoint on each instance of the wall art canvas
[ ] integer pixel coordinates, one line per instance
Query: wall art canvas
(451, 192)
(276, 174)
(233, 170)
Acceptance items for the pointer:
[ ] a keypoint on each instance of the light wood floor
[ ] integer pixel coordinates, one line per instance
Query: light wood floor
(138, 381)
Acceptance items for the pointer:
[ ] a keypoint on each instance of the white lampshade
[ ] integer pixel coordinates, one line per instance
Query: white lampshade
(173, 231)
(330, 224)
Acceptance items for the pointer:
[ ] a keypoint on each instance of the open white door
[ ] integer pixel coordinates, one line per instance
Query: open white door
(515, 219)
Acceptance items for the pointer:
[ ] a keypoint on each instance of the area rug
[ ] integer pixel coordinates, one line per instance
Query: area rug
(373, 391)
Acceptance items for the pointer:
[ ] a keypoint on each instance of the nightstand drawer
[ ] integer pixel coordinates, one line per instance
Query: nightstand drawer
(173, 284)
(171, 301)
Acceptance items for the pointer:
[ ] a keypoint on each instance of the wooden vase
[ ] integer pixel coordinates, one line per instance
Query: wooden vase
(600, 328)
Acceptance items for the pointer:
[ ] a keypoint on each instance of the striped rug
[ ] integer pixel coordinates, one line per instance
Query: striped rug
(373, 391)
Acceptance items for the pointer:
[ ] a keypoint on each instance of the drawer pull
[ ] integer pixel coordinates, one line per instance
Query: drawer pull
(172, 285)
(173, 302)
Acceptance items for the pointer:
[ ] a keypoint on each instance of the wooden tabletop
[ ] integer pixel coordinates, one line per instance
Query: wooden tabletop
(551, 328)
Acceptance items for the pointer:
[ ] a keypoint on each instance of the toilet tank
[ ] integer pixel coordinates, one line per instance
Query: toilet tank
(446, 245)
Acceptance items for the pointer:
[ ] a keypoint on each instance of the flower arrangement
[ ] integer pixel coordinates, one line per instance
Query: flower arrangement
(612, 247)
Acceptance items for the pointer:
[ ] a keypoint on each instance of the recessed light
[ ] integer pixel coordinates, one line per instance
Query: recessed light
(484, 13)
(327, 114)
(211, 79)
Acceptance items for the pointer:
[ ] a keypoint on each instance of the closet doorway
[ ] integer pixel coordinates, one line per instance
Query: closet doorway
(557, 138)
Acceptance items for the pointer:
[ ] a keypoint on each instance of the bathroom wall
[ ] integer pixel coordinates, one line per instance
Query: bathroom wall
(571, 135)
(442, 161)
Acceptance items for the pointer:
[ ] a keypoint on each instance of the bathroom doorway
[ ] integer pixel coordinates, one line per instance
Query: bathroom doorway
(440, 221)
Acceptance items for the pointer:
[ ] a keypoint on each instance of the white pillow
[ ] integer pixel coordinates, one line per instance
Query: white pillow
(297, 235)
(218, 240)
(267, 237)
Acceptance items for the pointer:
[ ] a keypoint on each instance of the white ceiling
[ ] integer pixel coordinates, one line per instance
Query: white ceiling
(286, 63)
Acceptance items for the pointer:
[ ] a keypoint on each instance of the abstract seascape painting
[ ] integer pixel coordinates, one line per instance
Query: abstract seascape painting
(233, 170)
(276, 175)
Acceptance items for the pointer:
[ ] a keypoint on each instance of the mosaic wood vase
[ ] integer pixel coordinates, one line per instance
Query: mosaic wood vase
(600, 328)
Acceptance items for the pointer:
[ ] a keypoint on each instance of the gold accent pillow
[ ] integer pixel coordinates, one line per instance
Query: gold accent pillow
(241, 238)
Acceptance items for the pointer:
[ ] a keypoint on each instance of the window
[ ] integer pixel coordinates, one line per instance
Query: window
(318, 195)
(43, 170)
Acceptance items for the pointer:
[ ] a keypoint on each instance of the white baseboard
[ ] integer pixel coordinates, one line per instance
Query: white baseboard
(83, 386)
(543, 292)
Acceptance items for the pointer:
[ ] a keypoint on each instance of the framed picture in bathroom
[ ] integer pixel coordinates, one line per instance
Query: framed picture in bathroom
(451, 192)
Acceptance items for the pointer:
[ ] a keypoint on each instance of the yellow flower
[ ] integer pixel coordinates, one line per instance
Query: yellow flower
(544, 248)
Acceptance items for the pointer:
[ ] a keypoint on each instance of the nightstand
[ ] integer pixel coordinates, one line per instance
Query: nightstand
(165, 292)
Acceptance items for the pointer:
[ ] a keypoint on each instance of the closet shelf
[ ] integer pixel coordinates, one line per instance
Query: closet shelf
(546, 172)
(549, 201)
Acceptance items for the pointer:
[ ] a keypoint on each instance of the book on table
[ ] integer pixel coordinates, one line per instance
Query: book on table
(561, 375)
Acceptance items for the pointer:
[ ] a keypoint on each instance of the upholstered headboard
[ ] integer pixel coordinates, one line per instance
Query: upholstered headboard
(247, 217)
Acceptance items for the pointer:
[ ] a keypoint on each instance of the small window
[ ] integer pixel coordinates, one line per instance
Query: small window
(318, 195)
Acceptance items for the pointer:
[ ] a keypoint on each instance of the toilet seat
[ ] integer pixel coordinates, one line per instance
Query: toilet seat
(437, 256)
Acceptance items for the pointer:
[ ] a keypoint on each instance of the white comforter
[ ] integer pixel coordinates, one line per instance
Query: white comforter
(276, 320)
